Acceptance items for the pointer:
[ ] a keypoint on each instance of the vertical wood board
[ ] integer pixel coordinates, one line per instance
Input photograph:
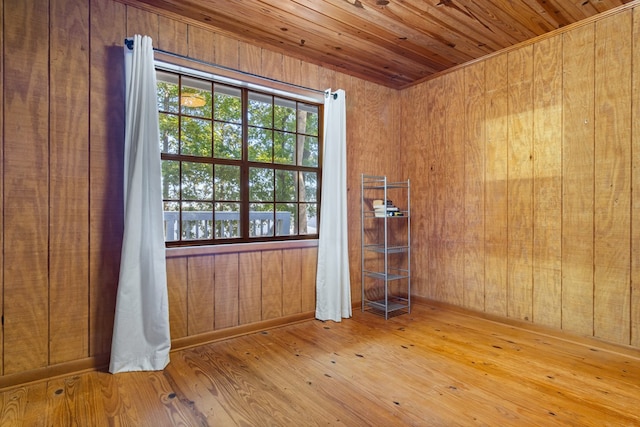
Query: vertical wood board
(249, 58)
(547, 183)
(612, 180)
(474, 182)
(172, 36)
(309, 263)
(69, 182)
(226, 291)
(26, 186)
(292, 281)
(354, 170)
(200, 294)
(271, 266)
(496, 110)
(309, 78)
(455, 174)
(201, 44)
(142, 22)
(2, 188)
(415, 163)
(177, 276)
(250, 287)
(292, 70)
(577, 180)
(226, 51)
(520, 184)
(106, 127)
(635, 183)
(438, 145)
(437, 170)
(272, 65)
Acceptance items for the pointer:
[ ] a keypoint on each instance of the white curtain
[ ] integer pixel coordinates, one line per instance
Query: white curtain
(333, 285)
(141, 340)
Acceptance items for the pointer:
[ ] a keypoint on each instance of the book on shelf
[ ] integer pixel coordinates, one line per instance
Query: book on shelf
(382, 208)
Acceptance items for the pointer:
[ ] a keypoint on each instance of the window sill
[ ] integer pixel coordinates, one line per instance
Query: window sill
(238, 248)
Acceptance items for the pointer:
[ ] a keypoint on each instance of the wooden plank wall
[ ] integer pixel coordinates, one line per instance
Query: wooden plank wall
(62, 121)
(635, 183)
(550, 181)
(2, 196)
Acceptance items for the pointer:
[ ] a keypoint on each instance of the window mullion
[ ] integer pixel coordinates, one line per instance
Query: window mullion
(244, 170)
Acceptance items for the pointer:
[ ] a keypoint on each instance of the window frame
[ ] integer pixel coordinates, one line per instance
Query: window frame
(248, 84)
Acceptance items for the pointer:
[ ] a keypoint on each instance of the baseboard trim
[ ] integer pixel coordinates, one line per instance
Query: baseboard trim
(236, 331)
(101, 363)
(587, 341)
(95, 363)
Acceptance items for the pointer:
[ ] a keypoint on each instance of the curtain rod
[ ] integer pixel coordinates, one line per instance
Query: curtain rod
(129, 43)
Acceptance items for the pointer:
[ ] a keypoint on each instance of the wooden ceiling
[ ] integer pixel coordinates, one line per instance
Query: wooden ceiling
(391, 42)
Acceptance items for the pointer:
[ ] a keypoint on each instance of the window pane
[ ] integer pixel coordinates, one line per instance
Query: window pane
(286, 186)
(260, 184)
(168, 133)
(195, 98)
(197, 220)
(260, 145)
(261, 221)
(227, 182)
(197, 179)
(286, 215)
(308, 218)
(220, 184)
(285, 115)
(309, 151)
(171, 221)
(196, 137)
(227, 220)
(167, 93)
(228, 104)
(228, 141)
(260, 110)
(285, 148)
(308, 119)
(171, 180)
(309, 186)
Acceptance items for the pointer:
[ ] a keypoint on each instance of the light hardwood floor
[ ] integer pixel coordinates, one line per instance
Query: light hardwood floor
(433, 367)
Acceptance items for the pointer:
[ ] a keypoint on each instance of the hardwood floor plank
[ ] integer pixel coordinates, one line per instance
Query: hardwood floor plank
(434, 366)
(24, 405)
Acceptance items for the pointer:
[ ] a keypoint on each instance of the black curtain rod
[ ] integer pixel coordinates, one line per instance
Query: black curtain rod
(129, 43)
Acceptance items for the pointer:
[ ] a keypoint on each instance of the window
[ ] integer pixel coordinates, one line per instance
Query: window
(238, 164)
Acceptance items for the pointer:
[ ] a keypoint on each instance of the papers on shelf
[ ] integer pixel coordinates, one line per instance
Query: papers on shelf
(382, 209)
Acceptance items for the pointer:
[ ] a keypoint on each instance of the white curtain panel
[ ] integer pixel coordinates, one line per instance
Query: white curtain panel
(333, 284)
(141, 340)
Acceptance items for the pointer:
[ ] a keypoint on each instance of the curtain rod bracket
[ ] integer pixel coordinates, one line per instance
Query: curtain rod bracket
(334, 95)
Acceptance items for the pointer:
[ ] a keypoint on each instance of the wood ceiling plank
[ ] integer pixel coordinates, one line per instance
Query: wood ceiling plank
(292, 25)
(394, 44)
(367, 61)
(460, 25)
(404, 37)
(550, 12)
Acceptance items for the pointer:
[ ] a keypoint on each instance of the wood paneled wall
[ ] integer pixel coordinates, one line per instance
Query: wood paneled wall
(525, 174)
(524, 169)
(62, 127)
